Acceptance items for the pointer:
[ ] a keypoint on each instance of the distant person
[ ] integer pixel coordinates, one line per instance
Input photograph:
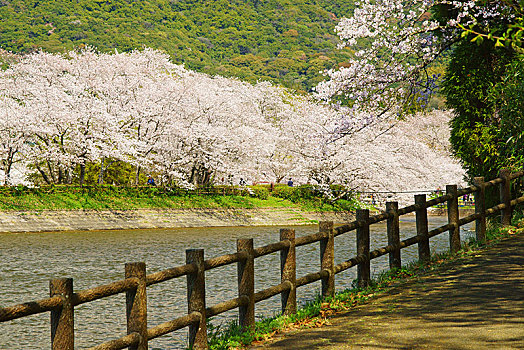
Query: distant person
(151, 181)
(290, 182)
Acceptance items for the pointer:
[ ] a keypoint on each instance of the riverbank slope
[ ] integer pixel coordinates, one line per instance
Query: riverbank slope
(79, 220)
(91, 219)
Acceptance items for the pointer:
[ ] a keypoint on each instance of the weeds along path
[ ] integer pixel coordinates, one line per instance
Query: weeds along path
(477, 302)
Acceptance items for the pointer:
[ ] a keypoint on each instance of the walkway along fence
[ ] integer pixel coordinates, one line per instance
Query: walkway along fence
(63, 299)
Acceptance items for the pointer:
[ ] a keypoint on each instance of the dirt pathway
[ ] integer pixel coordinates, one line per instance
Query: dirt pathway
(479, 304)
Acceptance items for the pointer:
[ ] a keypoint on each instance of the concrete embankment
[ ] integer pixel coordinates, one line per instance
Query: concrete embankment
(81, 220)
(76, 220)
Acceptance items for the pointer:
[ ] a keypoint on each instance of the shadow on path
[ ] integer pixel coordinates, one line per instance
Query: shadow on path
(477, 305)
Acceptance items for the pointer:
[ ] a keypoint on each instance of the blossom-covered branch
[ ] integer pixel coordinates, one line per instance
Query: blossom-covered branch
(394, 42)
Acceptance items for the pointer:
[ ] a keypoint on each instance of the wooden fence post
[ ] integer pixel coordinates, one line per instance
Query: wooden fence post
(196, 299)
(363, 270)
(136, 304)
(505, 197)
(421, 213)
(393, 235)
(288, 272)
(480, 209)
(62, 318)
(246, 283)
(453, 218)
(327, 258)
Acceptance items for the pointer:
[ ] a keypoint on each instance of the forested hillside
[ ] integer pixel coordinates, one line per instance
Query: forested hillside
(286, 41)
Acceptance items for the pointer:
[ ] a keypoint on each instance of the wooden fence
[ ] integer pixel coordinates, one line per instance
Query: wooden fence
(63, 299)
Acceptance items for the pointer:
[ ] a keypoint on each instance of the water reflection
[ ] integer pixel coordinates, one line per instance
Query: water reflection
(29, 260)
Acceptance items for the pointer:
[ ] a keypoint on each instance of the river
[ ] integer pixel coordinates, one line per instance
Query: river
(29, 260)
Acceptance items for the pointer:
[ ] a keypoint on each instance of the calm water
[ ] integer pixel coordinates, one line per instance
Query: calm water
(29, 260)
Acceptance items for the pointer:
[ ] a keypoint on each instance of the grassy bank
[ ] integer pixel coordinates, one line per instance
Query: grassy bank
(316, 313)
(123, 198)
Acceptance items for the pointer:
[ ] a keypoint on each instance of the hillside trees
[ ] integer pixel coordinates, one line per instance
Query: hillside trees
(250, 40)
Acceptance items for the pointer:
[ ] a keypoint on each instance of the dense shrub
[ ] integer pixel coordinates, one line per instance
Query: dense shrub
(260, 191)
(295, 194)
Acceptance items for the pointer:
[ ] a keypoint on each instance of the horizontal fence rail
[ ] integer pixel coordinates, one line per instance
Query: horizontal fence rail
(63, 299)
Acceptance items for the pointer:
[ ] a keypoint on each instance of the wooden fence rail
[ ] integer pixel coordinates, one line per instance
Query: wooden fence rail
(63, 299)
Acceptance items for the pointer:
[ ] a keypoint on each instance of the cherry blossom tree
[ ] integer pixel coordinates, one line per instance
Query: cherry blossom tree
(406, 156)
(13, 134)
(62, 110)
(394, 43)
(66, 111)
(226, 129)
(138, 90)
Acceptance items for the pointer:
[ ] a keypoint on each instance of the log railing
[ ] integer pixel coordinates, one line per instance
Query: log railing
(62, 301)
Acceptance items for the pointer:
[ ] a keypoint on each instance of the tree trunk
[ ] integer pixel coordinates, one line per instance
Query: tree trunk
(101, 172)
(51, 173)
(7, 174)
(44, 175)
(82, 173)
(192, 178)
(9, 165)
(137, 176)
(60, 175)
(69, 176)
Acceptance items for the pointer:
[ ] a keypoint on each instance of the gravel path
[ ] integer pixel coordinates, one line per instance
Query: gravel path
(478, 303)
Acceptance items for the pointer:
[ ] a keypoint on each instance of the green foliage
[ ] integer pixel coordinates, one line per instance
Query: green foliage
(485, 88)
(231, 336)
(260, 191)
(115, 172)
(495, 231)
(114, 197)
(507, 98)
(311, 199)
(285, 41)
(507, 34)
(476, 126)
(294, 194)
(57, 197)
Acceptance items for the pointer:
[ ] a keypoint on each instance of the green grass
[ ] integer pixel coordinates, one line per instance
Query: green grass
(125, 198)
(315, 312)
